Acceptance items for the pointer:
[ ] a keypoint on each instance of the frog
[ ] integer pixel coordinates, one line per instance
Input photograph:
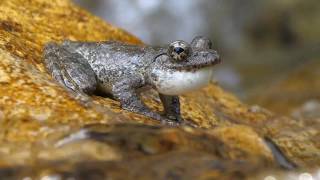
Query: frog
(123, 71)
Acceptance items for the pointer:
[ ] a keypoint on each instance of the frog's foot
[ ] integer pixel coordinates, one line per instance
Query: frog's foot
(71, 70)
(175, 118)
(175, 123)
(169, 122)
(171, 105)
(125, 91)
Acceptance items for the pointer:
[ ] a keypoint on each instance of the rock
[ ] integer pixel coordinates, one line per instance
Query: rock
(46, 133)
(130, 151)
(296, 91)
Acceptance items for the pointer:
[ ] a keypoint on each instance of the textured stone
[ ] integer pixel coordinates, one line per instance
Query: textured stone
(46, 133)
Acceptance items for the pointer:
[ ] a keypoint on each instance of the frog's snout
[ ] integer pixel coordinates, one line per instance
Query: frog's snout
(217, 58)
(210, 57)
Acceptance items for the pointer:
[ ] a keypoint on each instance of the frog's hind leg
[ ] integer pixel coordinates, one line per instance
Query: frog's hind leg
(70, 69)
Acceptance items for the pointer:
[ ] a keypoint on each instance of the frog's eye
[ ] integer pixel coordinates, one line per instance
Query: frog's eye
(179, 50)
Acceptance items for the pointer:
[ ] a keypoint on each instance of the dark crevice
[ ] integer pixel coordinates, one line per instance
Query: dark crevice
(279, 156)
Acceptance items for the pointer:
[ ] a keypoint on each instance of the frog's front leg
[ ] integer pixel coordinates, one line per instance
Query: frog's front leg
(171, 106)
(71, 70)
(125, 91)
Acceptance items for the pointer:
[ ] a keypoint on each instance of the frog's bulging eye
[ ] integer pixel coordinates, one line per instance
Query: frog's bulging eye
(179, 50)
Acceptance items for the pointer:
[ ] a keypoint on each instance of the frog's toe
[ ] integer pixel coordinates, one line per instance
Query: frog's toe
(170, 123)
(175, 118)
(177, 121)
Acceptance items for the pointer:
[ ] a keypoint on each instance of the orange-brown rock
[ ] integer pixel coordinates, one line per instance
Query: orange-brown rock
(34, 100)
(46, 133)
(293, 91)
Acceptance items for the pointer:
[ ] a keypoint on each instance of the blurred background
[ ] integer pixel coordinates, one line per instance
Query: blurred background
(260, 41)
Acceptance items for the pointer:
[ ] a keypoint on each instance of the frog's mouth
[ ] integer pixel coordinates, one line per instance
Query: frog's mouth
(198, 60)
(179, 82)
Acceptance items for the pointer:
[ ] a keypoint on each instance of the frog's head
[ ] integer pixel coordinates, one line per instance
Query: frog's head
(184, 67)
(185, 56)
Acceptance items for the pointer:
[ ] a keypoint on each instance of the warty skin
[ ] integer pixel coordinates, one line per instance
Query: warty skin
(124, 71)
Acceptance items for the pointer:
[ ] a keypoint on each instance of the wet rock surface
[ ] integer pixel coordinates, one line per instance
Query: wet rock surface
(46, 133)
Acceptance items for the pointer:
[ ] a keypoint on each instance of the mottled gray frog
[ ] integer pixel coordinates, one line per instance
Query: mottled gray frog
(124, 70)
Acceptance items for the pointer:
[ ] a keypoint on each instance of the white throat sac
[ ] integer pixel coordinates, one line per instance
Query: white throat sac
(179, 82)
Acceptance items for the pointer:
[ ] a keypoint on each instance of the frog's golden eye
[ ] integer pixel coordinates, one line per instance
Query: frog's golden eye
(179, 50)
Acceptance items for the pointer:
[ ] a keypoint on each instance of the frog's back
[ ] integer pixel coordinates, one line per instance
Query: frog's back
(112, 53)
(112, 61)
